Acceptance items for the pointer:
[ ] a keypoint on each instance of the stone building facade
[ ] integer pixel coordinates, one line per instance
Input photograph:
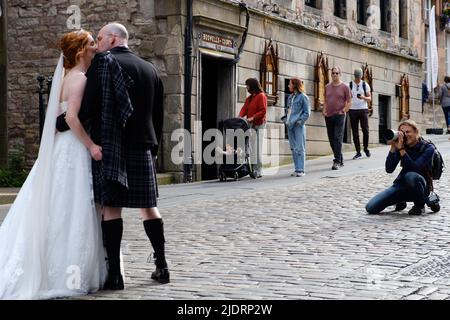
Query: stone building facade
(385, 35)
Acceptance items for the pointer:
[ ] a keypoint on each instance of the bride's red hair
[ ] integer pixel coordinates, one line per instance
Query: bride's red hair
(72, 45)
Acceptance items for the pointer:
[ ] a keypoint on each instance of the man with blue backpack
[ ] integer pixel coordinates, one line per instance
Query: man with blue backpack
(421, 164)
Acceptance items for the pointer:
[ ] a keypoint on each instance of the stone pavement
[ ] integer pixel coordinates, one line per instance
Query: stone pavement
(281, 237)
(302, 241)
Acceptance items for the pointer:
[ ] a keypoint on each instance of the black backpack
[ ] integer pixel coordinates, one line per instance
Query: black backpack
(363, 86)
(437, 163)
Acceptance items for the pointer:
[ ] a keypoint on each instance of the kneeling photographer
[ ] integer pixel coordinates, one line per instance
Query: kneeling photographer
(414, 182)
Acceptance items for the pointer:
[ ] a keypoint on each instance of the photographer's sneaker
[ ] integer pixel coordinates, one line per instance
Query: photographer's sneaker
(367, 152)
(357, 156)
(300, 174)
(416, 211)
(335, 166)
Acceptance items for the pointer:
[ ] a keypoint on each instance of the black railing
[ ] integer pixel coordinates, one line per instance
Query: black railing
(42, 105)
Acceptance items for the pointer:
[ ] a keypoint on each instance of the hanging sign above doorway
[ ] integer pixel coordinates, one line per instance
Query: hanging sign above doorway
(218, 40)
(217, 35)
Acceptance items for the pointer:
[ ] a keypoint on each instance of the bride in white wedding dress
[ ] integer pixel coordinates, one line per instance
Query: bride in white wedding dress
(50, 241)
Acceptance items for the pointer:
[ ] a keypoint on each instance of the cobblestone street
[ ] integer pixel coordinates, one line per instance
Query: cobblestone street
(282, 237)
(307, 239)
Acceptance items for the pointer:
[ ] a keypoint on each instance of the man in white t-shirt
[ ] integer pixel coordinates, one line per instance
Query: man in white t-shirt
(359, 112)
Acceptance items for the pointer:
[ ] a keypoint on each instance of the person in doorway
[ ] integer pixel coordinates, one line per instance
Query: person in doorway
(338, 100)
(298, 113)
(444, 97)
(255, 109)
(359, 112)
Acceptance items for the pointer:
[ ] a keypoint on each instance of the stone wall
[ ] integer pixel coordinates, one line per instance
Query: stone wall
(33, 31)
(3, 81)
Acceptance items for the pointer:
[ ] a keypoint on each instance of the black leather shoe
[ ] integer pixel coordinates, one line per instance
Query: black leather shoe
(400, 206)
(114, 282)
(416, 211)
(161, 275)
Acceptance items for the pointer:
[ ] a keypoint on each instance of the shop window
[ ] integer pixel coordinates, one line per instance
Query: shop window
(269, 72)
(322, 78)
(404, 98)
(368, 78)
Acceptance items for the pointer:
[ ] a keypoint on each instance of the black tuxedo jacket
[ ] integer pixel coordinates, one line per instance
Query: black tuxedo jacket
(144, 127)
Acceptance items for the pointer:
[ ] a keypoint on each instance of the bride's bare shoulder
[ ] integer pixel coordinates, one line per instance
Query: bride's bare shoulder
(74, 79)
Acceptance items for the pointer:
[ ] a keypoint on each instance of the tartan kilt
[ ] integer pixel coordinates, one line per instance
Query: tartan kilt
(142, 189)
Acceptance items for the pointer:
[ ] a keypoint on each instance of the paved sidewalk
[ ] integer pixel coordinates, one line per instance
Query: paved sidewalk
(282, 237)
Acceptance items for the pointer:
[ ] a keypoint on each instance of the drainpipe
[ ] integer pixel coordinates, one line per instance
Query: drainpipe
(187, 170)
(242, 6)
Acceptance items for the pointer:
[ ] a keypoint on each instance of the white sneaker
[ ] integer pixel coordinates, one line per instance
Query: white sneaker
(299, 174)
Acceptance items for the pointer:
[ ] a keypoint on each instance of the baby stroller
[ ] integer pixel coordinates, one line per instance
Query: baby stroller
(236, 154)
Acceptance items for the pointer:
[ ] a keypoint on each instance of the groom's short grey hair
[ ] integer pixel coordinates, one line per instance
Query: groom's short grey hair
(118, 29)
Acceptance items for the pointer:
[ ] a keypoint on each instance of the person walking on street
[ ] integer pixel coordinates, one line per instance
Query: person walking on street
(444, 96)
(255, 109)
(338, 100)
(298, 113)
(359, 112)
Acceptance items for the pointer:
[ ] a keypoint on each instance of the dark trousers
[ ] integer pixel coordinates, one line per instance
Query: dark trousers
(413, 188)
(446, 110)
(357, 116)
(335, 130)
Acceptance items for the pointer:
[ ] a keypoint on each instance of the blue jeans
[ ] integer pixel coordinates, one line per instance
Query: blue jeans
(412, 188)
(297, 142)
(335, 130)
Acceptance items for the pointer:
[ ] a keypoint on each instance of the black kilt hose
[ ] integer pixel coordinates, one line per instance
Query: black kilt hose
(142, 189)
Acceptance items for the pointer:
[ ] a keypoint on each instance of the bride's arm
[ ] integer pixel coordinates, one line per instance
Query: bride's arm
(76, 89)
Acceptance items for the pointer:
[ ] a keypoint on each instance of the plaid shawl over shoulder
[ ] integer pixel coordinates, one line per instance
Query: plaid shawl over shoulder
(116, 109)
